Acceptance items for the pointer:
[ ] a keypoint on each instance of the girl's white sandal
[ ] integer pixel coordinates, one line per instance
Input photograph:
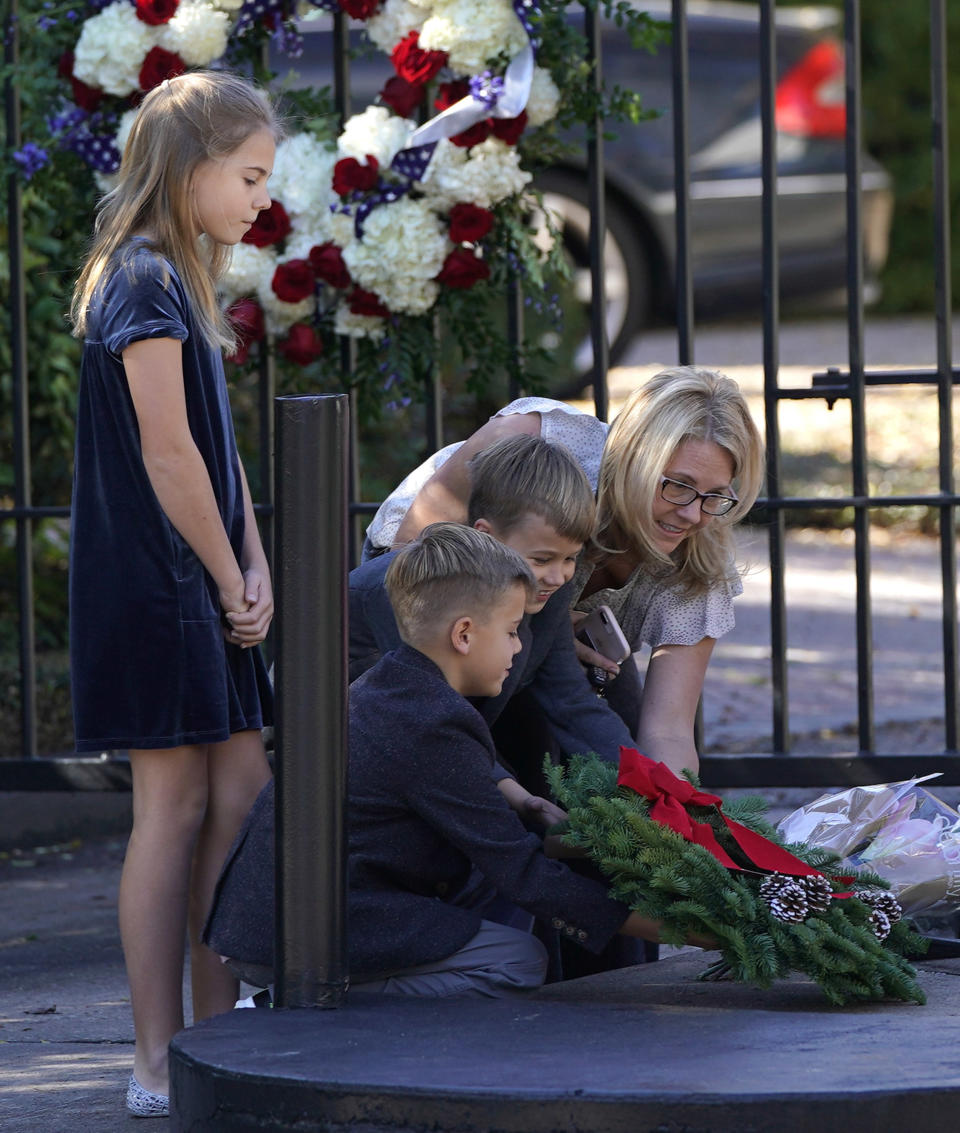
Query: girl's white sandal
(145, 1103)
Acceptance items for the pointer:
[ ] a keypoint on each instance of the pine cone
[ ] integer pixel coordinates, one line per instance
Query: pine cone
(819, 894)
(790, 903)
(771, 885)
(883, 900)
(880, 923)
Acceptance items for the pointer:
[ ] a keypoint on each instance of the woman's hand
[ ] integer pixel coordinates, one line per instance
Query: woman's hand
(587, 656)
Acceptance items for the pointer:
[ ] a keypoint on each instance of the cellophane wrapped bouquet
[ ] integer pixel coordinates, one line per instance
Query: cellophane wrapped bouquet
(900, 831)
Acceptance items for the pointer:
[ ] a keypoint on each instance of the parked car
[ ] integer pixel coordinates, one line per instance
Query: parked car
(725, 171)
(724, 162)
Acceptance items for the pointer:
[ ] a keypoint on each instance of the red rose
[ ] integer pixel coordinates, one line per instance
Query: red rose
(462, 269)
(474, 135)
(271, 226)
(359, 9)
(302, 344)
(246, 318)
(327, 263)
(509, 129)
(414, 64)
(349, 175)
(293, 281)
(156, 12)
(469, 223)
(366, 303)
(402, 97)
(449, 93)
(159, 65)
(86, 97)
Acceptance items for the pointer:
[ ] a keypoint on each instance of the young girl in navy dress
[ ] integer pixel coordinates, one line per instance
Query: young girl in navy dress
(170, 591)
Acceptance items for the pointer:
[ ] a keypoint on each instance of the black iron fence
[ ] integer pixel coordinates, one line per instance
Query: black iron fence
(853, 384)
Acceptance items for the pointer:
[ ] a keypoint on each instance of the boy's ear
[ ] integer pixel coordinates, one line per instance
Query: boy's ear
(461, 634)
(483, 525)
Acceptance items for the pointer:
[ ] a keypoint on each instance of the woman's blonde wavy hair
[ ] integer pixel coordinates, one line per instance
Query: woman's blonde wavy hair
(197, 117)
(678, 404)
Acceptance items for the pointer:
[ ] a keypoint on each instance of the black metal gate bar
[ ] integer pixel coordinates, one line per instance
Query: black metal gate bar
(266, 392)
(861, 516)
(833, 383)
(681, 181)
(771, 368)
(944, 307)
(596, 201)
(20, 397)
(340, 66)
(514, 308)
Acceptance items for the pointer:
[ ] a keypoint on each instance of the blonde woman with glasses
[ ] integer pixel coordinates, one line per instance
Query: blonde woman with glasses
(680, 465)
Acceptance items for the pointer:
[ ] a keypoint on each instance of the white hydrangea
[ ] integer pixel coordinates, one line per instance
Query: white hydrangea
(123, 130)
(302, 171)
(490, 174)
(111, 49)
(357, 326)
(403, 247)
(473, 33)
(249, 268)
(376, 131)
(279, 316)
(198, 33)
(106, 182)
(395, 20)
(544, 99)
(341, 228)
(446, 161)
(301, 240)
(230, 5)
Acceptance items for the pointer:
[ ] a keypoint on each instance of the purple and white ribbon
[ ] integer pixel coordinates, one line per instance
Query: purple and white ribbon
(490, 97)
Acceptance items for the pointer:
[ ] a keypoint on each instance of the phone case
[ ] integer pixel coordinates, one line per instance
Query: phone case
(601, 631)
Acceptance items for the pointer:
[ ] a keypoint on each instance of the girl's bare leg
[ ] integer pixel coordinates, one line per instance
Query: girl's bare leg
(237, 770)
(169, 801)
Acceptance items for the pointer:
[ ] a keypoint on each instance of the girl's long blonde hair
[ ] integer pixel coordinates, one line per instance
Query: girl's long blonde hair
(196, 117)
(678, 404)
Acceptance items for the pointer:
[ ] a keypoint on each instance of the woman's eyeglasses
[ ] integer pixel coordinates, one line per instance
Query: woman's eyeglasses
(711, 503)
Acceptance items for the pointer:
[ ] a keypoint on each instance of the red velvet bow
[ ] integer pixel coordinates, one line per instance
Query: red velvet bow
(670, 795)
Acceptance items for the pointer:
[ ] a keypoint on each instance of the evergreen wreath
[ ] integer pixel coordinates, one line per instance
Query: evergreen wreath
(846, 933)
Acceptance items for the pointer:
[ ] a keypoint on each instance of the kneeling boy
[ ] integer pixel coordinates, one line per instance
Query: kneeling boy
(435, 852)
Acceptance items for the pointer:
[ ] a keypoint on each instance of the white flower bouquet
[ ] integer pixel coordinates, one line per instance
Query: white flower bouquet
(900, 831)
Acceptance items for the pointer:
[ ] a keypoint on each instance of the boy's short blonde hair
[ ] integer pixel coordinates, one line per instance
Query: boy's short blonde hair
(522, 475)
(447, 571)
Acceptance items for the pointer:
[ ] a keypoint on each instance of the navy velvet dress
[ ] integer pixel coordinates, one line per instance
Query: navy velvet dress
(149, 664)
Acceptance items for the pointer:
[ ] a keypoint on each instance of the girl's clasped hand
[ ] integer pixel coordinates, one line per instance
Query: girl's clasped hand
(247, 617)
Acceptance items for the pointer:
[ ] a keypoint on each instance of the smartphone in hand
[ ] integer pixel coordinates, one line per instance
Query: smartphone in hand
(601, 631)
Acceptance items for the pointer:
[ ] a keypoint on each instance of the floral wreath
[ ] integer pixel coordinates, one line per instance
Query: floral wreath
(372, 230)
